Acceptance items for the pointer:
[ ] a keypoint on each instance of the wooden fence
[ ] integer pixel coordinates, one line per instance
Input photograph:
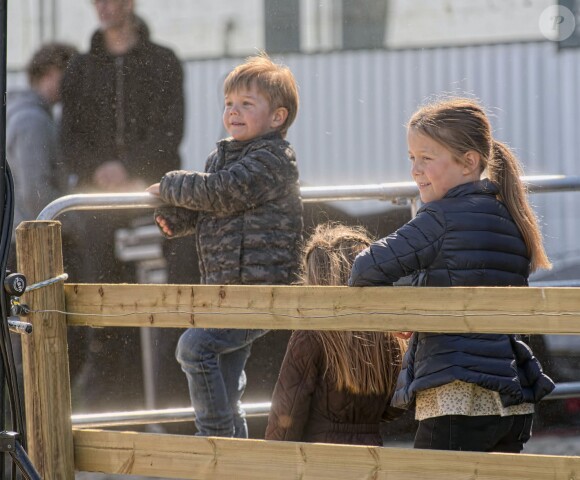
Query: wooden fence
(56, 449)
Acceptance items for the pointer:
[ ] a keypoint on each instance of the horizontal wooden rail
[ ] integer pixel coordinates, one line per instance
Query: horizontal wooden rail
(220, 458)
(458, 309)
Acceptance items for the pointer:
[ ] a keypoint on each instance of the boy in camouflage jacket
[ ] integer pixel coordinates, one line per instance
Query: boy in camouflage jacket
(246, 212)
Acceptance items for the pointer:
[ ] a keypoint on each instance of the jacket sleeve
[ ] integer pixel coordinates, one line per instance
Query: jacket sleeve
(158, 152)
(535, 383)
(412, 247)
(294, 389)
(392, 413)
(259, 177)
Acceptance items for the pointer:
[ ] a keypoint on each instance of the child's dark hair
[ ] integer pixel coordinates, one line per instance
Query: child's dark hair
(48, 56)
(361, 362)
(461, 125)
(274, 81)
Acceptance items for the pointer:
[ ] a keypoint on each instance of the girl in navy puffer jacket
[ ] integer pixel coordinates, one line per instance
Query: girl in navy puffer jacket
(471, 391)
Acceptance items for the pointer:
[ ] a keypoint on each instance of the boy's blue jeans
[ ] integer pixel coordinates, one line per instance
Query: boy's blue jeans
(213, 361)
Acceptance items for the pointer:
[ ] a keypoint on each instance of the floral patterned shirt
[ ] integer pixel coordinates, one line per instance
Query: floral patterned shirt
(462, 398)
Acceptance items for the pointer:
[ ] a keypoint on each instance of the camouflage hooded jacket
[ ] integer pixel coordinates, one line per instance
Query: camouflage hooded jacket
(245, 209)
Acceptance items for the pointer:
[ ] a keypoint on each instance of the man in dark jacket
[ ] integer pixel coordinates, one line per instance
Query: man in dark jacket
(122, 106)
(122, 123)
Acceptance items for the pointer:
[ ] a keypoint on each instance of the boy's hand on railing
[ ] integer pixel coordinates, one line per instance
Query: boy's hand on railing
(153, 189)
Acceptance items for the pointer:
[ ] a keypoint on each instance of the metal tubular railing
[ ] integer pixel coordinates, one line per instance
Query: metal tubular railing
(393, 192)
(150, 417)
(171, 415)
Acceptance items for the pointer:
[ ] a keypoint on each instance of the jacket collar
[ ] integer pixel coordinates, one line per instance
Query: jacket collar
(484, 187)
(234, 145)
(98, 40)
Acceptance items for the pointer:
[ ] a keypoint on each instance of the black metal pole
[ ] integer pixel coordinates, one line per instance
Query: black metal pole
(3, 54)
(22, 461)
(3, 67)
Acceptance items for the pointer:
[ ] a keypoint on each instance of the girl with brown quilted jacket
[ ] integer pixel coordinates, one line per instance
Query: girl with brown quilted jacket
(335, 387)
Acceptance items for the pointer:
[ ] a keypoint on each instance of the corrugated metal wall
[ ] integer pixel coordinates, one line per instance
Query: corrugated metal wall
(354, 104)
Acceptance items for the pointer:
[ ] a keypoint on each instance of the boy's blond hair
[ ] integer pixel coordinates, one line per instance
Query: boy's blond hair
(274, 81)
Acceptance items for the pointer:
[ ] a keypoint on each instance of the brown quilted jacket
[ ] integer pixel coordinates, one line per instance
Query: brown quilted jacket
(307, 407)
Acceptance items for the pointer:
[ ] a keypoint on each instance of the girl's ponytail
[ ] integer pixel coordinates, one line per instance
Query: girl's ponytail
(505, 171)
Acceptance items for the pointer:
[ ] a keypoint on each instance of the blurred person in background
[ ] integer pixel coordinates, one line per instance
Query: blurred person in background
(32, 134)
(32, 147)
(122, 123)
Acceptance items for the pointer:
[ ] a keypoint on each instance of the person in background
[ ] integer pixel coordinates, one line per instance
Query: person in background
(122, 124)
(123, 105)
(335, 387)
(32, 148)
(246, 212)
(476, 228)
(32, 141)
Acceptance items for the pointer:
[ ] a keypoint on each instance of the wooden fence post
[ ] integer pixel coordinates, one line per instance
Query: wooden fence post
(44, 353)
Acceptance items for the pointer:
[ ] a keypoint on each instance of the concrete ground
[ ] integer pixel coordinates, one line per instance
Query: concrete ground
(554, 444)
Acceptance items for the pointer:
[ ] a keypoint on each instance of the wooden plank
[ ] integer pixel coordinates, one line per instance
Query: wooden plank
(457, 309)
(44, 353)
(175, 456)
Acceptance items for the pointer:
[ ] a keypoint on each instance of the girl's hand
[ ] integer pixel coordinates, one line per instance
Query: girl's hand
(403, 335)
(153, 189)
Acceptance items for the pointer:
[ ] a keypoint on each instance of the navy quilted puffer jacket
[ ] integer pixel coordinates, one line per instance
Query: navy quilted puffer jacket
(468, 238)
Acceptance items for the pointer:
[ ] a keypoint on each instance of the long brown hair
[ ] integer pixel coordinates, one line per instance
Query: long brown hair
(361, 362)
(461, 125)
